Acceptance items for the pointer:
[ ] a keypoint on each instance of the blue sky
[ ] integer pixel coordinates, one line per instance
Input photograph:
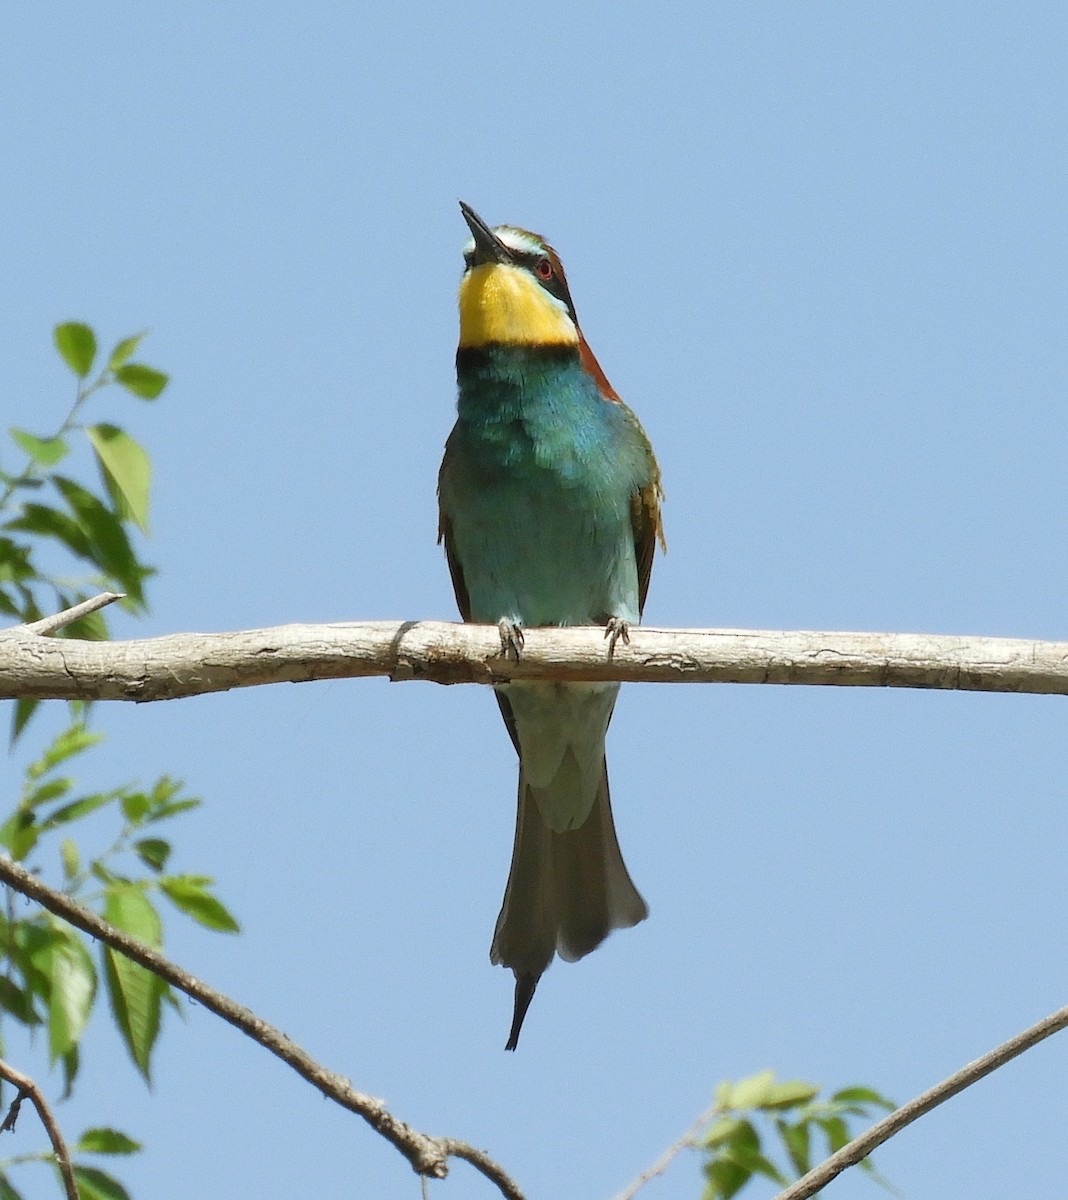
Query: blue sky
(821, 249)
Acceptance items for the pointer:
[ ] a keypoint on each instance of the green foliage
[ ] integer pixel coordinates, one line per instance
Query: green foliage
(127, 471)
(52, 524)
(755, 1111)
(95, 1185)
(50, 971)
(76, 344)
(107, 849)
(106, 1141)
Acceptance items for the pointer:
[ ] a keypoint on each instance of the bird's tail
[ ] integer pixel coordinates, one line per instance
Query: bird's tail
(567, 890)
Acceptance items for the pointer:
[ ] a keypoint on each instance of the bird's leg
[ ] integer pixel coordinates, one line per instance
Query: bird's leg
(616, 628)
(511, 638)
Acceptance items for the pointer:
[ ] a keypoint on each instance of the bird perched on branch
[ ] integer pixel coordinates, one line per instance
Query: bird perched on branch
(549, 498)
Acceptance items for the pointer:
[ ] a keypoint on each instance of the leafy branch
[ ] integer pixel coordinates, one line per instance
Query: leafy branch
(428, 1155)
(734, 1132)
(86, 526)
(51, 974)
(792, 1113)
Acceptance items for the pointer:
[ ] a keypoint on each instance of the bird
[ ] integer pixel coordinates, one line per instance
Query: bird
(549, 499)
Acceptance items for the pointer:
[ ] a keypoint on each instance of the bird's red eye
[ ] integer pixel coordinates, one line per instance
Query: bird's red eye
(543, 268)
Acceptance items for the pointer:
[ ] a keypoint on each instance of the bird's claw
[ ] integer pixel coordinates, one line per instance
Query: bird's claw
(616, 629)
(511, 638)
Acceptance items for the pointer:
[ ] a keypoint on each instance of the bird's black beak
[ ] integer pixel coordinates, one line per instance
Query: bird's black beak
(488, 246)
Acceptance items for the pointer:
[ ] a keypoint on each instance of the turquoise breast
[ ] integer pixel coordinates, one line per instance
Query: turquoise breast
(538, 482)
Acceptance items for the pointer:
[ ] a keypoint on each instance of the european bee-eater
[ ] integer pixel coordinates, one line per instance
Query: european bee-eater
(549, 500)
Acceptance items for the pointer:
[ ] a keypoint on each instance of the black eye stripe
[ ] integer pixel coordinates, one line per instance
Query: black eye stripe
(527, 258)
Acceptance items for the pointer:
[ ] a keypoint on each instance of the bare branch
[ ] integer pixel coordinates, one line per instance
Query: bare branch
(28, 1089)
(860, 1147)
(32, 666)
(69, 615)
(428, 1155)
(189, 664)
(686, 1142)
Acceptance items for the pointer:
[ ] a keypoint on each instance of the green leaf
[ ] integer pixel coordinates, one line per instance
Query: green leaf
(109, 545)
(134, 992)
(106, 1141)
(725, 1179)
(99, 871)
(96, 1185)
(77, 808)
(165, 788)
(7, 1192)
(188, 893)
(32, 954)
(720, 1131)
(743, 1148)
(71, 741)
(19, 833)
(153, 852)
(73, 991)
(68, 853)
(126, 469)
(51, 789)
(16, 563)
(46, 521)
(123, 350)
(76, 344)
(70, 1063)
(797, 1142)
(135, 1003)
(17, 1002)
(20, 717)
(756, 1164)
(836, 1130)
(145, 382)
(173, 808)
(45, 452)
(863, 1095)
(752, 1092)
(789, 1094)
(129, 909)
(134, 806)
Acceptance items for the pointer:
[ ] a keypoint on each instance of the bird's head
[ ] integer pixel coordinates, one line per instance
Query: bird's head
(514, 291)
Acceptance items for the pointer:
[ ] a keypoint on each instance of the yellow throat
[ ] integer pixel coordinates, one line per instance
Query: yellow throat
(503, 303)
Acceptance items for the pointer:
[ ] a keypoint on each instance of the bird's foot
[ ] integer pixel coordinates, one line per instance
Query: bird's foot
(616, 629)
(511, 638)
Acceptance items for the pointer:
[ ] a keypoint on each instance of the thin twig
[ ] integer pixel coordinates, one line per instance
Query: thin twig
(27, 1088)
(860, 1147)
(68, 616)
(428, 1155)
(687, 1141)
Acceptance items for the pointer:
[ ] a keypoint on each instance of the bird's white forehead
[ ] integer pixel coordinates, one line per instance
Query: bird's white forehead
(515, 239)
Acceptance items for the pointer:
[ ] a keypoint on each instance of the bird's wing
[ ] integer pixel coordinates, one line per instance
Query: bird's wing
(459, 587)
(463, 603)
(648, 530)
(645, 503)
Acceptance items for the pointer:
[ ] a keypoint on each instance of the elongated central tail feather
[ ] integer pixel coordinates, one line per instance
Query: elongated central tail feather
(567, 890)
